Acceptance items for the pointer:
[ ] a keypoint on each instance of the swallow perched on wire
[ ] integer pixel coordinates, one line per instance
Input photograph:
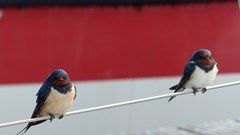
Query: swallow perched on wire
(200, 71)
(54, 98)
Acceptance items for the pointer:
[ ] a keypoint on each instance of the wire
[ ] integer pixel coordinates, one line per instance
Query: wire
(117, 104)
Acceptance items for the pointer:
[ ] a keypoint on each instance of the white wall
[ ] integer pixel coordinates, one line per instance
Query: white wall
(18, 101)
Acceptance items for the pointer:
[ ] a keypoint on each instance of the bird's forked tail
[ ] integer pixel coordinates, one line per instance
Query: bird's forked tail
(171, 98)
(25, 129)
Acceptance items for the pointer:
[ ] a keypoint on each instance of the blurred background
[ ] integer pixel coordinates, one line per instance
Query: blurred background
(119, 50)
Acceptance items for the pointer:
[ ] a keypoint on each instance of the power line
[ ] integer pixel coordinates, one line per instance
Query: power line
(117, 104)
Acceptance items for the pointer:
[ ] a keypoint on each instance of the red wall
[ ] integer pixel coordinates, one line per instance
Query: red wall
(106, 42)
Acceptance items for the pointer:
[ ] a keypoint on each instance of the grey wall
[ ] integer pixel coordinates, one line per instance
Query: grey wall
(18, 101)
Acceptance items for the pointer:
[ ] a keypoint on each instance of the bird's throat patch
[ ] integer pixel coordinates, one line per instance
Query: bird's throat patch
(60, 83)
(205, 62)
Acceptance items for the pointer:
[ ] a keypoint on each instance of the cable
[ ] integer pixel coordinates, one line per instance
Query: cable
(117, 104)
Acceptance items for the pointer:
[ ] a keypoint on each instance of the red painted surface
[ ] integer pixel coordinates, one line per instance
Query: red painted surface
(124, 42)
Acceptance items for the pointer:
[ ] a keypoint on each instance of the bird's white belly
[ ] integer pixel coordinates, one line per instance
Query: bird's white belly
(200, 79)
(57, 103)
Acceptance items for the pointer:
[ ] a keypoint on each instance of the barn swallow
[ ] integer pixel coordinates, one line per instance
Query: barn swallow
(54, 98)
(200, 71)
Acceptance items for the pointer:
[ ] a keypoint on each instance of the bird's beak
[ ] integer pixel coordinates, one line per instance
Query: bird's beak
(61, 79)
(207, 58)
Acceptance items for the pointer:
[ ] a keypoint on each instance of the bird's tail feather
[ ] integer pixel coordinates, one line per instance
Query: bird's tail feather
(176, 90)
(172, 97)
(28, 126)
(173, 87)
(24, 130)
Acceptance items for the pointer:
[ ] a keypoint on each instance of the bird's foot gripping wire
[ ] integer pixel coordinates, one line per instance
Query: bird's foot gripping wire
(51, 117)
(194, 91)
(204, 90)
(61, 116)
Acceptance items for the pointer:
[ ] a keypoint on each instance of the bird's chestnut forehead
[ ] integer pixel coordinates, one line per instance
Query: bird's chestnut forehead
(59, 75)
(207, 54)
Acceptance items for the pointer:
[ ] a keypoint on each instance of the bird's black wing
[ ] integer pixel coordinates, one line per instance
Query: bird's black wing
(42, 96)
(189, 69)
(75, 88)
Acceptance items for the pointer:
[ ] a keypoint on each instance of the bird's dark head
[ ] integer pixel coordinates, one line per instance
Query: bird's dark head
(203, 56)
(59, 78)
